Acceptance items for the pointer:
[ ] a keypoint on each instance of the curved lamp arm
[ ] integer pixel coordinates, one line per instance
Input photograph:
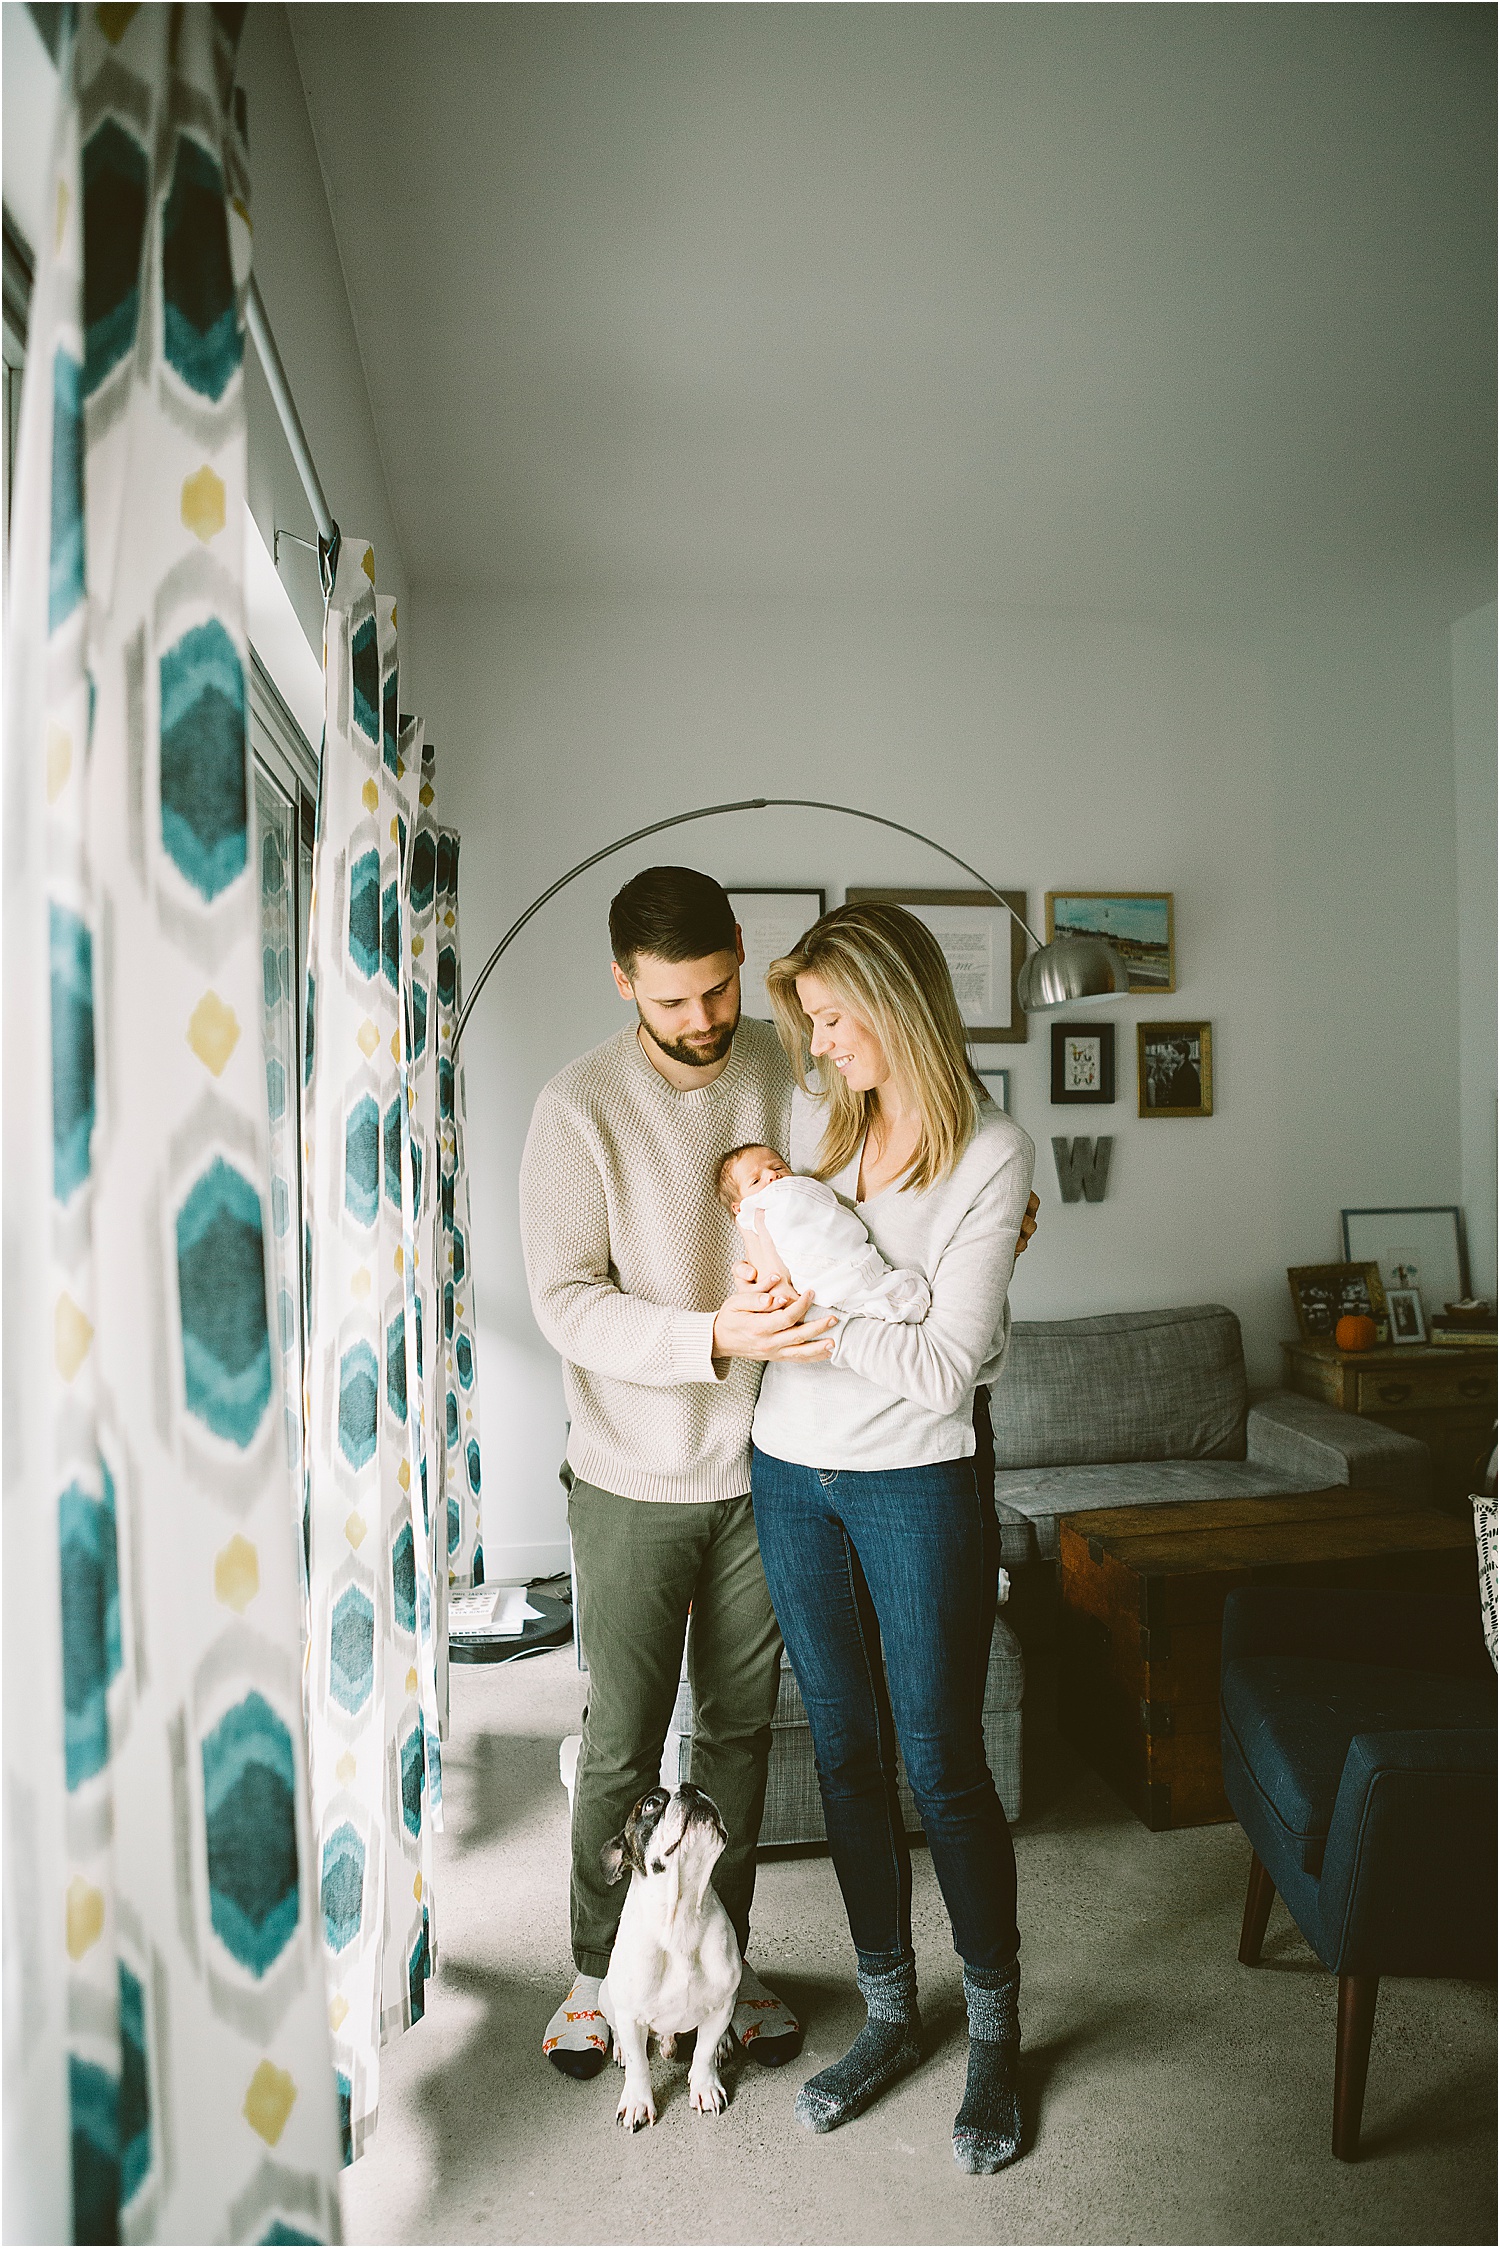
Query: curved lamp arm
(1114, 985)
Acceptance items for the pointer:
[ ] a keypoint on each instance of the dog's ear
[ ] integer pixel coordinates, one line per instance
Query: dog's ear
(616, 1858)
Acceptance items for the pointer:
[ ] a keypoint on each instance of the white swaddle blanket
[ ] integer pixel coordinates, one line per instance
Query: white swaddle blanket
(825, 1247)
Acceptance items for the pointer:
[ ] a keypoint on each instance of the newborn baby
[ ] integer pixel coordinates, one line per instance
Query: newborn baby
(822, 1245)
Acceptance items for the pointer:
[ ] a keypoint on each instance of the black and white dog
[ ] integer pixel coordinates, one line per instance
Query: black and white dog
(676, 1962)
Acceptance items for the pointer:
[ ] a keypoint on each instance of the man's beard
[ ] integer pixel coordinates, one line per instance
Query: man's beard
(689, 1052)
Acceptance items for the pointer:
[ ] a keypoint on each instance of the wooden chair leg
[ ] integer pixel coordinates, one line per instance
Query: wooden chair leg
(1357, 1994)
(1259, 1898)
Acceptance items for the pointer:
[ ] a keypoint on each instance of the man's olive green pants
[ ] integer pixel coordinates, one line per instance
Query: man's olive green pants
(639, 1564)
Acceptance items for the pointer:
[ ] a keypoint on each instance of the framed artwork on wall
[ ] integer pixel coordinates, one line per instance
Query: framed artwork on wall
(1423, 1247)
(1175, 1069)
(984, 949)
(770, 922)
(1083, 1062)
(1138, 923)
(1325, 1294)
(996, 1081)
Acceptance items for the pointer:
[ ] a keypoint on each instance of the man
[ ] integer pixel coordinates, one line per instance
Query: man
(628, 1252)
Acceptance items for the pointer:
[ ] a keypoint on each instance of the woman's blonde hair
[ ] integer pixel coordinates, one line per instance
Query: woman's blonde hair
(888, 969)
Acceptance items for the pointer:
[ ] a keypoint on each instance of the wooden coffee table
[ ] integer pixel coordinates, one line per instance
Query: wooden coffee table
(1143, 1592)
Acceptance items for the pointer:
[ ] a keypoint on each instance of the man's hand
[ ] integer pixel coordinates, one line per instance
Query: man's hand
(754, 1325)
(1028, 1225)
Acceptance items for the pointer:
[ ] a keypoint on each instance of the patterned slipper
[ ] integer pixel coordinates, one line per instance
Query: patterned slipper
(577, 2037)
(768, 2031)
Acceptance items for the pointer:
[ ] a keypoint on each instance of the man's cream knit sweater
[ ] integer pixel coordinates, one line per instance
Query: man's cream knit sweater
(628, 1253)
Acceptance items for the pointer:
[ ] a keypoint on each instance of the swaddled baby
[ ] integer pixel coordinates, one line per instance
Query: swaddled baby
(821, 1243)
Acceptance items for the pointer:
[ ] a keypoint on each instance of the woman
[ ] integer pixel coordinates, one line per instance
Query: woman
(873, 1528)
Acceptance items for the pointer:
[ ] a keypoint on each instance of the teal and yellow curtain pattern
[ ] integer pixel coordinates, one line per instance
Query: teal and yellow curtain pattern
(461, 1464)
(376, 1604)
(167, 2054)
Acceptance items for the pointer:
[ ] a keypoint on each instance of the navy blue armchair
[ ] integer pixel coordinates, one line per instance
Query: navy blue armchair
(1358, 1738)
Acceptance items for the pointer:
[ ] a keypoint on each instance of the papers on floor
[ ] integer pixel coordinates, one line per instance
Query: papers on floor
(492, 1612)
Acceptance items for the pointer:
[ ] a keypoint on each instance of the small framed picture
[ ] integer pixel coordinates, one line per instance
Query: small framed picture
(770, 922)
(1325, 1294)
(1175, 1068)
(1083, 1062)
(1407, 1323)
(984, 946)
(996, 1083)
(1138, 923)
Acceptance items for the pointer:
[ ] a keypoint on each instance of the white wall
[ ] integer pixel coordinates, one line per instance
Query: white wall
(1293, 787)
(1474, 785)
(301, 278)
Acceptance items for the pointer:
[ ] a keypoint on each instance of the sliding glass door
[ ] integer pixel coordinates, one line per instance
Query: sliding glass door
(285, 796)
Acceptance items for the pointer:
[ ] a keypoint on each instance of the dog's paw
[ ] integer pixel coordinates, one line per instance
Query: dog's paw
(667, 2047)
(635, 2109)
(707, 2096)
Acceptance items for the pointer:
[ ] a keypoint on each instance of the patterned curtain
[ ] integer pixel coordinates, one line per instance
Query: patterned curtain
(276, 834)
(460, 1483)
(376, 1604)
(167, 2057)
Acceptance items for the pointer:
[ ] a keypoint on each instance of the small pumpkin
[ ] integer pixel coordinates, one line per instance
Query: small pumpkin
(1356, 1332)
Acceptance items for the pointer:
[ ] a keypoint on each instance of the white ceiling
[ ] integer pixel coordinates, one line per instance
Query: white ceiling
(1143, 310)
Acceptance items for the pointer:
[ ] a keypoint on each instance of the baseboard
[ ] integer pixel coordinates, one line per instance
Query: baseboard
(518, 1564)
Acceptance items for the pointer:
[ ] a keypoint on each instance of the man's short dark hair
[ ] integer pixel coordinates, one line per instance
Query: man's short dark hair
(672, 912)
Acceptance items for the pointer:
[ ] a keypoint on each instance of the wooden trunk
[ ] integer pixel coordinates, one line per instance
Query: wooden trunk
(1143, 1592)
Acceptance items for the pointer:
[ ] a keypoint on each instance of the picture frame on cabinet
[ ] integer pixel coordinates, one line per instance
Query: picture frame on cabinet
(1407, 1322)
(1324, 1294)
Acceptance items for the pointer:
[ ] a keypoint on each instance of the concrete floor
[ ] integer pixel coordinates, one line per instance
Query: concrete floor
(1174, 2095)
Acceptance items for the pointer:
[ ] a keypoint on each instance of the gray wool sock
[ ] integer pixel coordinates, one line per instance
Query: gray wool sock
(884, 2050)
(987, 2130)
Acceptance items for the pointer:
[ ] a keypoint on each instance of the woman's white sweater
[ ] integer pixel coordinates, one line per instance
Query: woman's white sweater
(897, 1396)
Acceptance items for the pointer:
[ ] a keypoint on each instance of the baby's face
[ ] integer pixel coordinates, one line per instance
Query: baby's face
(755, 1168)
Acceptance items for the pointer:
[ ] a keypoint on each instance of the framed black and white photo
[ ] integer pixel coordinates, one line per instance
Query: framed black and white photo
(770, 922)
(1325, 1294)
(984, 947)
(1083, 1062)
(1422, 1246)
(1407, 1323)
(1175, 1069)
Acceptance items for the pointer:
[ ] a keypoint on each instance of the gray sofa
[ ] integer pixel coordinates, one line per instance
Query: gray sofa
(794, 1808)
(1140, 1408)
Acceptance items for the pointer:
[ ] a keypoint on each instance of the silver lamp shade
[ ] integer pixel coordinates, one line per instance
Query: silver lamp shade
(1071, 968)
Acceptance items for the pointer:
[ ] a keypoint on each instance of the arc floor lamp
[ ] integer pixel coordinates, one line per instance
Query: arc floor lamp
(1055, 975)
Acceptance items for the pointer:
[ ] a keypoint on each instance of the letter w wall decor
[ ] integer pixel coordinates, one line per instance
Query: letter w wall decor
(1082, 1168)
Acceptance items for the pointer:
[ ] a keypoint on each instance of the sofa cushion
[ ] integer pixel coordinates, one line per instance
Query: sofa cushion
(1037, 1497)
(1292, 1718)
(1135, 1385)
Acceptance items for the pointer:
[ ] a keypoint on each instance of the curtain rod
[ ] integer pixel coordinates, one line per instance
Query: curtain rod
(259, 325)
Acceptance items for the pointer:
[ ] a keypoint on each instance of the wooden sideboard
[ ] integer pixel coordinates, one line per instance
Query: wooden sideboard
(1443, 1395)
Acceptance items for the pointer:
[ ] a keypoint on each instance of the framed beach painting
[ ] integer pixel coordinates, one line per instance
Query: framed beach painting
(770, 922)
(984, 947)
(1138, 923)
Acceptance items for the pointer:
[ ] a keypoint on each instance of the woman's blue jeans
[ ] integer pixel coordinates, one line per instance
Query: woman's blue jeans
(907, 1561)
